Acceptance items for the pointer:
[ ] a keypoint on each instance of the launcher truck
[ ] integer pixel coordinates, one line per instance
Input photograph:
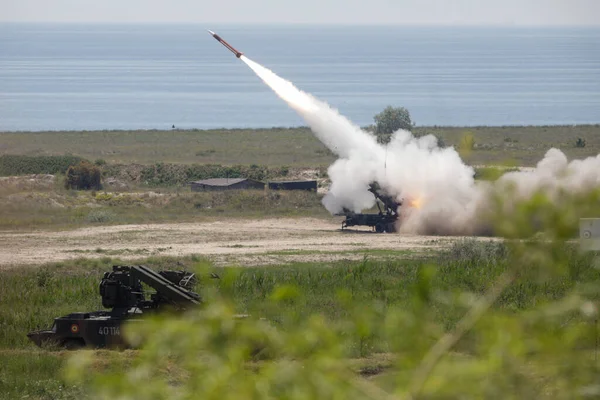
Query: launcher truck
(123, 293)
(384, 221)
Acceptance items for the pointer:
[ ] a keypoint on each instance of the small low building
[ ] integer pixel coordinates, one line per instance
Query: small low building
(293, 185)
(225, 184)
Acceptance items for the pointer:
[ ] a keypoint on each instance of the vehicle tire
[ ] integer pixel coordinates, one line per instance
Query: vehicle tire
(379, 228)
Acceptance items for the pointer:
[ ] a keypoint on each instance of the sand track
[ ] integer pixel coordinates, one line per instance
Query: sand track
(247, 242)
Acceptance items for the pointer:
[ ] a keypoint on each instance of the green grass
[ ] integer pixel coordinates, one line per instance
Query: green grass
(468, 266)
(520, 145)
(491, 173)
(295, 147)
(276, 146)
(362, 251)
(34, 375)
(61, 209)
(32, 297)
(23, 165)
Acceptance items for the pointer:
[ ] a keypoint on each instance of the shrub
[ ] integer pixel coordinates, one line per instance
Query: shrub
(580, 143)
(25, 165)
(83, 176)
(99, 216)
(441, 143)
(467, 143)
(491, 173)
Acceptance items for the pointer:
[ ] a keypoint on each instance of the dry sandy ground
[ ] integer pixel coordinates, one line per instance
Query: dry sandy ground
(226, 242)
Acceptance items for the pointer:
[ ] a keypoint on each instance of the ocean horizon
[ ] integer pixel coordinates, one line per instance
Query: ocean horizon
(153, 76)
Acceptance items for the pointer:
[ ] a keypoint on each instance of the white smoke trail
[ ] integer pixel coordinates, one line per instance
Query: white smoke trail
(360, 155)
(438, 190)
(335, 131)
(554, 174)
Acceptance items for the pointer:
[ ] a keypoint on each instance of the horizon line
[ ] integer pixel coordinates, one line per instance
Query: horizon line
(294, 127)
(300, 24)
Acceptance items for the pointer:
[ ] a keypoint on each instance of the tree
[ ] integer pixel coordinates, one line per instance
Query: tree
(391, 119)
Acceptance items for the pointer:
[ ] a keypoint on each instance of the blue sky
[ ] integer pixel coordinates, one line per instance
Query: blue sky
(400, 12)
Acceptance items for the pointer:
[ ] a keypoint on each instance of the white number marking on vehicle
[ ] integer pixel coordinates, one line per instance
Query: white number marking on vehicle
(109, 331)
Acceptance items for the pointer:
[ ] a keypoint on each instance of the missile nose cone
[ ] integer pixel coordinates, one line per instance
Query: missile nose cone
(229, 47)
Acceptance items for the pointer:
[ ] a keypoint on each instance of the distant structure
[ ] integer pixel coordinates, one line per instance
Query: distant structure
(225, 184)
(293, 185)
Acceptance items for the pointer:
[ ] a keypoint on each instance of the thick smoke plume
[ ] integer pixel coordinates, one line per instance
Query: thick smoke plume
(438, 191)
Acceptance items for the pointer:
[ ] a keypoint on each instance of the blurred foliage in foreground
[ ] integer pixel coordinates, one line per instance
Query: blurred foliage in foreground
(495, 348)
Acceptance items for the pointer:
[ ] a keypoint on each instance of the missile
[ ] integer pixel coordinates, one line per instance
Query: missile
(224, 43)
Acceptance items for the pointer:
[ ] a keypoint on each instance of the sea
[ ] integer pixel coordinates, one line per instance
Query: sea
(99, 76)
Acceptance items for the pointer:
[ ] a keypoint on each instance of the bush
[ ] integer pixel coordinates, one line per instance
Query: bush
(99, 216)
(26, 165)
(467, 143)
(580, 143)
(441, 143)
(83, 176)
(491, 173)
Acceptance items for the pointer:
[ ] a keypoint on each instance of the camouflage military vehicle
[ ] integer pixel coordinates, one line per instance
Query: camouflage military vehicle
(123, 293)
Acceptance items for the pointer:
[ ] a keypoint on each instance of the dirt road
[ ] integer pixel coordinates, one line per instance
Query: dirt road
(226, 242)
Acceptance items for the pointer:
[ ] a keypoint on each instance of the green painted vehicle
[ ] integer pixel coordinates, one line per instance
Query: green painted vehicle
(123, 293)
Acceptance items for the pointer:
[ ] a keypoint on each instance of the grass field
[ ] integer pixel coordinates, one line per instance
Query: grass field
(58, 208)
(296, 147)
(31, 298)
(518, 323)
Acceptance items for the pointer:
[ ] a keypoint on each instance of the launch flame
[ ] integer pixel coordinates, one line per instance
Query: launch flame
(416, 203)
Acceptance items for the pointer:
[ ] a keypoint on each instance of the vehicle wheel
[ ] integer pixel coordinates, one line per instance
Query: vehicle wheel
(74, 344)
(379, 228)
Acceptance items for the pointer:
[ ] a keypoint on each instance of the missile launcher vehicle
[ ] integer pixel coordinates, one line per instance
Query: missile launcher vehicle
(384, 221)
(123, 293)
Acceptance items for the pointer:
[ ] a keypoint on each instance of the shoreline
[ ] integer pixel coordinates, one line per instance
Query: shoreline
(416, 128)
